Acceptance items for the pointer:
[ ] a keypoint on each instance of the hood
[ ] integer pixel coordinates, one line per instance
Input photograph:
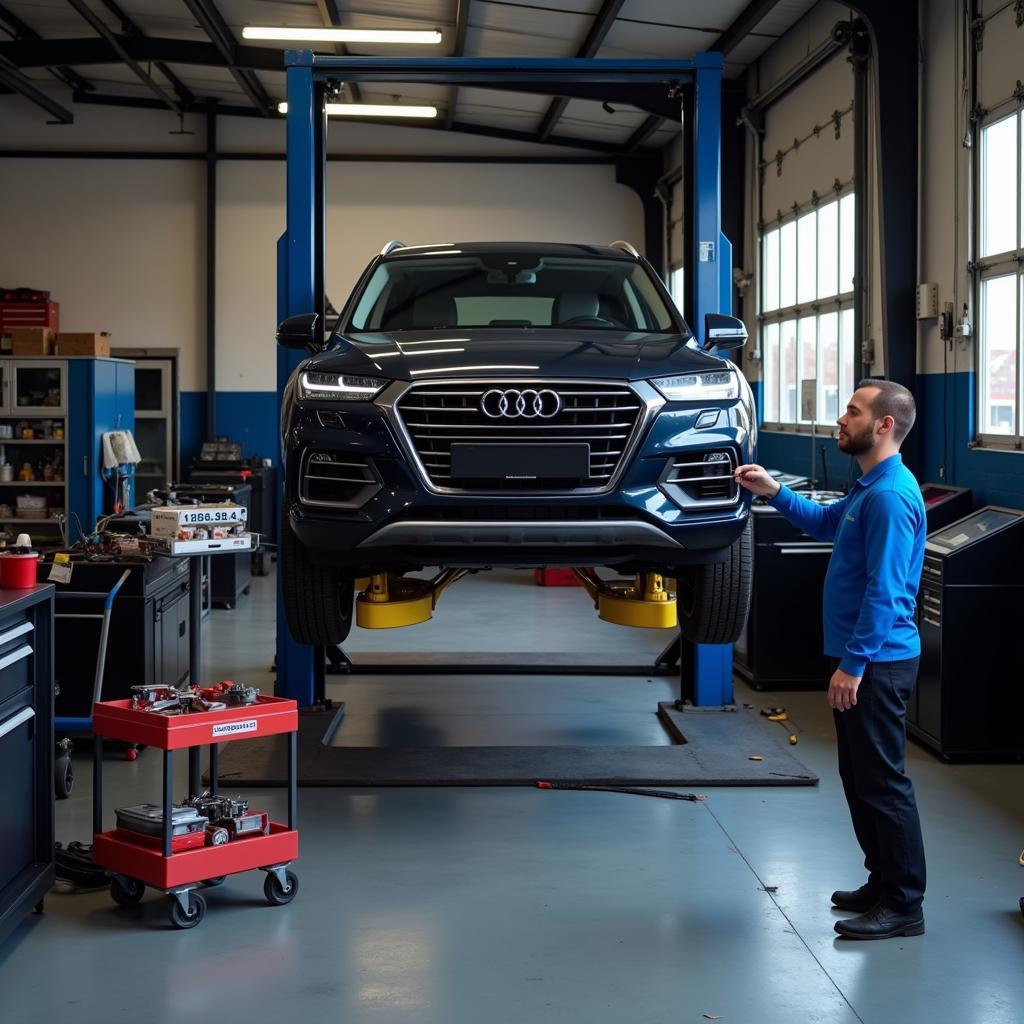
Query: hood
(427, 355)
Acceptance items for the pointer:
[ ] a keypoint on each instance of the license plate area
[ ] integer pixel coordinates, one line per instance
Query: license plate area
(521, 464)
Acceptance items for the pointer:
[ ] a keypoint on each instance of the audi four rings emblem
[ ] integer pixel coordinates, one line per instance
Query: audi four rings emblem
(528, 404)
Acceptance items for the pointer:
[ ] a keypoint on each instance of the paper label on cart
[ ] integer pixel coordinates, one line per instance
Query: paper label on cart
(60, 573)
(234, 728)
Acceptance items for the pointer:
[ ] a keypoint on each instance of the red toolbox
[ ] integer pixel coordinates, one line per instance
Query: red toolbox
(29, 314)
(136, 860)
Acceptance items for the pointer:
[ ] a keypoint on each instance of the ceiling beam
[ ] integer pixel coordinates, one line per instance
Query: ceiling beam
(745, 22)
(132, 30)
(332, 19)
(595, 37)
(458, 50)
(213, 24)
(100, 27)
(15, 80)
(20, 30)
(642, 134)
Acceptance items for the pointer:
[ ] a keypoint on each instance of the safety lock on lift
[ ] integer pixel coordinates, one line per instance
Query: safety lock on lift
(645, 603)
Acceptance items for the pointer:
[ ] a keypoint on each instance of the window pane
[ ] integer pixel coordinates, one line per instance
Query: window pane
(770, 297)
(847, 212)
(846, 361)
(807, 256)
(787, 265)
(999, 187)
(828, 367)
(998, 354)
(1020, 168)
(828, 250)
(787, 362)
(770, 348)
(807, 336)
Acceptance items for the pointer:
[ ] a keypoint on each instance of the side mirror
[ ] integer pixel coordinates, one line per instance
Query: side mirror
(724, 332)
(302, 331)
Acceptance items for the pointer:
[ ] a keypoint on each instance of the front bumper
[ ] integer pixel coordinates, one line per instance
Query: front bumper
(403, 522)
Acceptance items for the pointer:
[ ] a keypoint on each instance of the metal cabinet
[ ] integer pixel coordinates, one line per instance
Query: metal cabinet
(26, 753)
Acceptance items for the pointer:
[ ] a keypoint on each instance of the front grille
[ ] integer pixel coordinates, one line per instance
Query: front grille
(702, 479)
(341, 481)
(603, 416)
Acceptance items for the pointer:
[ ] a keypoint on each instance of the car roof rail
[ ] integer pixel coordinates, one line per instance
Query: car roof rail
(625, 247)
(392, 246)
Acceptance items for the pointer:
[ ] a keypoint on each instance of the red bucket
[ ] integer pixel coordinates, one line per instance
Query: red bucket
(18, 572)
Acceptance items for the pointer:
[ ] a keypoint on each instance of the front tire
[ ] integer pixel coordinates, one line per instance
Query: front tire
(318, 598)
(713, 600)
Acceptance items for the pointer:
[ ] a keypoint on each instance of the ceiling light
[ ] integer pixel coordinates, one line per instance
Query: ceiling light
(343, 35)
(371, 110)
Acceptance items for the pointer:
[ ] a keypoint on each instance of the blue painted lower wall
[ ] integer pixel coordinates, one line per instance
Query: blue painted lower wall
(246, 416)
(946, 411)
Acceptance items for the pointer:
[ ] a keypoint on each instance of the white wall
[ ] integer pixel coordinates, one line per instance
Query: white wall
(120, 243)
(369, 204)
(117, 243)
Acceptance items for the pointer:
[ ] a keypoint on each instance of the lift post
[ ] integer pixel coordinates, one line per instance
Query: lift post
(651, 85)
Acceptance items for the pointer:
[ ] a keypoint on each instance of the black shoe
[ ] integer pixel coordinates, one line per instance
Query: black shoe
(881, 923)
(858, 900)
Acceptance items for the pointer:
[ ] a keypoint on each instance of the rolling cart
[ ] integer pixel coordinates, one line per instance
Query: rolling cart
(64, 775)
(135, 860)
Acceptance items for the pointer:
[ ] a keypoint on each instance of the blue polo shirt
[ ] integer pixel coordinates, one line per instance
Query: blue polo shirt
(878, 533)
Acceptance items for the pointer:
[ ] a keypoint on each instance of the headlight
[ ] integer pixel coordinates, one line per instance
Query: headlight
(333, 387)
(699, 386)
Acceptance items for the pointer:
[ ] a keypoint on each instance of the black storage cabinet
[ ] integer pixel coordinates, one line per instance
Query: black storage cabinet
(968, 703)
(782, 644)
(149, 630)
(26, 753)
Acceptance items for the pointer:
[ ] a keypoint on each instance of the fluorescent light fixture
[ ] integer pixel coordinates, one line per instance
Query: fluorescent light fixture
(343, 35)
(371, 110)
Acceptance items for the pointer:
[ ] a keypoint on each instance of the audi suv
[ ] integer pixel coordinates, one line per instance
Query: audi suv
(512, 404)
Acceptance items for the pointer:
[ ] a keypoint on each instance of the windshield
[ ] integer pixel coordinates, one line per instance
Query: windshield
(509, 290)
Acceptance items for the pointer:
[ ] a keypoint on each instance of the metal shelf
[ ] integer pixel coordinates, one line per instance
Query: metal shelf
(33, 440)
(33, 483)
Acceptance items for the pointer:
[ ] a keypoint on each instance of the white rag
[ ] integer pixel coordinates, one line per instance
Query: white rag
(119, 449)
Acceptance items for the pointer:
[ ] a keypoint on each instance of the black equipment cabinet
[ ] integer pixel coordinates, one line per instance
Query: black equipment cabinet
(26, 753)
(230, 575)
(781, 646)
(944, 504)
(149, 630)
(969, 703)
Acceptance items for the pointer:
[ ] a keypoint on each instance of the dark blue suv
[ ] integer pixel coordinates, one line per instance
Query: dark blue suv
(514, 404)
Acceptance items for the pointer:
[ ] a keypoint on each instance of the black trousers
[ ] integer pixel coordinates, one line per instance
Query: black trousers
(872, 740)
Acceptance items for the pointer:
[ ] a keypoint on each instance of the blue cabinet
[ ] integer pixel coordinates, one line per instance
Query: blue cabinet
(101, 398)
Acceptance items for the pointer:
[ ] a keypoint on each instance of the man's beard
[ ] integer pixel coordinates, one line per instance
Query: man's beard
(857, 444)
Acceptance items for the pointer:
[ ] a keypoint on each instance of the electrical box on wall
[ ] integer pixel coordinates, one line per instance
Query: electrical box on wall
(927, 301)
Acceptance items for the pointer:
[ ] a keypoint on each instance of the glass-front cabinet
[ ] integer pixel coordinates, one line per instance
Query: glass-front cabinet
(37, 387)
(154, 418)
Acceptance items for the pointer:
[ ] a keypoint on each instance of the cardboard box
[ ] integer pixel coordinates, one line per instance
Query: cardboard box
(77, 343)
(32, 341)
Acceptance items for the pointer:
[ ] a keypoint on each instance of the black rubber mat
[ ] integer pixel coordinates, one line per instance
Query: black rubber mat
(721, 748)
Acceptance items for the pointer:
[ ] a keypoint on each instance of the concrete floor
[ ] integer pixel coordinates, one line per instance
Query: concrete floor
(462, 906)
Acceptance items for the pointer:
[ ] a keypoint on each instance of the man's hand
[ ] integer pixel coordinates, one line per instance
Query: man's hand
(757, 481)
(842, 690)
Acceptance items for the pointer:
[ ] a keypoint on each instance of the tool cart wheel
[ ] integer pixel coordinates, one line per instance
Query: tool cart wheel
(277, 895)
(126, 892)
(190, 918)
(212, 883)
(63, 777)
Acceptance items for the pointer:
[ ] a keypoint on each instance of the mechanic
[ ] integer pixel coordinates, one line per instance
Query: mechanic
(878, 533)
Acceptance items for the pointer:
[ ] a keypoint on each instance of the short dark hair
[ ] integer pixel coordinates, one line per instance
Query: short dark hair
(893, 400)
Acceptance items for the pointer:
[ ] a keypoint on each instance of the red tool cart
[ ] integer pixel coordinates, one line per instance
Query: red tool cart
(181, 868)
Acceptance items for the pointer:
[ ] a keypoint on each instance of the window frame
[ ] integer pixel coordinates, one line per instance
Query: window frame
(1003, 264)
(798, 311)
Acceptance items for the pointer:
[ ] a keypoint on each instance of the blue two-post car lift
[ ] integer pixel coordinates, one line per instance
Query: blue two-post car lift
(301, 249)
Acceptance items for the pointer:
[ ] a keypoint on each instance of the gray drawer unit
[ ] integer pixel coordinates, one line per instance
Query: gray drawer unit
(26, 753)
